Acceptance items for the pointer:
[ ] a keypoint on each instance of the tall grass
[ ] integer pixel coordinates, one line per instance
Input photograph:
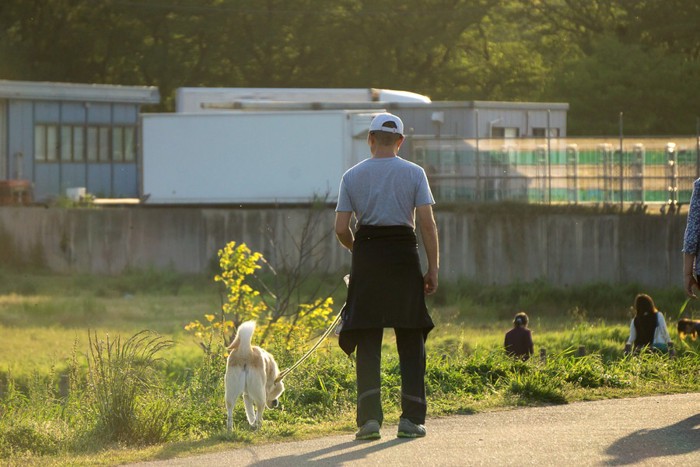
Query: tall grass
(611, 302)
(125, 398)
(123, 389)
(139, 388)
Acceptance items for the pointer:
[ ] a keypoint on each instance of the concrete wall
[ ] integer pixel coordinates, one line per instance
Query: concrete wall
(495, 246)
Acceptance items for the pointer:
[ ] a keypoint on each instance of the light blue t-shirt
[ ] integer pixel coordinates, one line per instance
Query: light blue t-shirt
(384, 191)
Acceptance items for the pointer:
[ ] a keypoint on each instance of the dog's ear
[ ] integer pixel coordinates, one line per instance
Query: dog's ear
(271, 370)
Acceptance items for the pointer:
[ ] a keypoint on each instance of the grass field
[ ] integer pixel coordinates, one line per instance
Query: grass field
(80, 386)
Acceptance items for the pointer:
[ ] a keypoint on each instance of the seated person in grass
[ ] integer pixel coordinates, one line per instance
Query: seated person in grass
(648, 327)
(688, 327)
(518, 340)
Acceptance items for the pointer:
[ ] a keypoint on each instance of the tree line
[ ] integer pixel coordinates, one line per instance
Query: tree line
(638, 57)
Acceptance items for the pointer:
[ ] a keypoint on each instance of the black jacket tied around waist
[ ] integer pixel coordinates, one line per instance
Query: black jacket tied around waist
(386, 284)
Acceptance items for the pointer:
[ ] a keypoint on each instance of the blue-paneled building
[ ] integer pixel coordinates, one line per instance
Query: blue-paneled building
(63, 135)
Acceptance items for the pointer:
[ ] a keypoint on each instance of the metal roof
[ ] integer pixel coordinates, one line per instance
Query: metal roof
(35, 90)
(475, 105)
(520, 105)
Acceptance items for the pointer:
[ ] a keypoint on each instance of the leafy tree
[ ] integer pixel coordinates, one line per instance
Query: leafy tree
(671, 25)
(602, 56)
(624, 78)
(243, 302)
(577, 21)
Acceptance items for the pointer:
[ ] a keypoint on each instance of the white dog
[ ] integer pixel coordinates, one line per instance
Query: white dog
(250, 371)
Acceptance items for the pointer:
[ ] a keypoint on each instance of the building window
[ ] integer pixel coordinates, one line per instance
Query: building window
(118, 144)
(78, 144)
(92, 144)
(51, 143)
(72, 143)
(45, 143)
(103, 148)
(505, 132)
(123, 144)
(129, 144)
(97, 144)
(40, 143)
(75, 143)
(542, 132)
(66, 143)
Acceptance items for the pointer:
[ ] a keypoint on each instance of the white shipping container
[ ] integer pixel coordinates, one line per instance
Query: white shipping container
(249, 157)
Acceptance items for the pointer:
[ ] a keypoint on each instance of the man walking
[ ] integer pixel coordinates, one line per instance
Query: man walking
(387, 288)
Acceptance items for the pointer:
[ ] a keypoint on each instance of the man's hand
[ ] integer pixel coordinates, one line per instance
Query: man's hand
(430, 282)
(690, 282)
(428, 230)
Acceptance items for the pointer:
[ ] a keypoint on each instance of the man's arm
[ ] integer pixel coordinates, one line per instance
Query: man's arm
(342, 229)
(429, 234)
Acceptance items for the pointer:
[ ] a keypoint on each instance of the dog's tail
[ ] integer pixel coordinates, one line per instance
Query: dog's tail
(243, 339)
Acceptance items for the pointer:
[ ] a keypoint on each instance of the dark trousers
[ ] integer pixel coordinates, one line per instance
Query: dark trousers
(411, 348)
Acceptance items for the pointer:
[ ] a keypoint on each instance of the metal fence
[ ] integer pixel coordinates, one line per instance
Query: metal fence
(561, 170)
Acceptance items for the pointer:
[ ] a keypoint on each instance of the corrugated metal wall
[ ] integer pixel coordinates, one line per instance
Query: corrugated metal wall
(52, 178)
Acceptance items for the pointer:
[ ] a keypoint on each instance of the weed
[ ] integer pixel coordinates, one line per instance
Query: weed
(538, 386)
(26, 437)
(122, 385)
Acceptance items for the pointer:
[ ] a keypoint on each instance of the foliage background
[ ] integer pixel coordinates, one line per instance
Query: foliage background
(639, 57)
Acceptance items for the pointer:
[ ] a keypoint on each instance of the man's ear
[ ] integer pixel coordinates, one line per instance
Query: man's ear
(400, 142)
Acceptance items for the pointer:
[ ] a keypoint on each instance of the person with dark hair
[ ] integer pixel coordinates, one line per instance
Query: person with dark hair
(648, 327)
(518, 341)
(387, 288)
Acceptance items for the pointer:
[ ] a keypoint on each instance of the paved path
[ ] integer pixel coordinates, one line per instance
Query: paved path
(658, 430)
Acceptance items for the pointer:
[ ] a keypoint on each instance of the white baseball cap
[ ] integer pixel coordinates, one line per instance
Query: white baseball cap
(382, 122)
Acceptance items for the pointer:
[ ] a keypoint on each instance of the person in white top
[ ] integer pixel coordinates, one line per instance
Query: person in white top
(648, 327)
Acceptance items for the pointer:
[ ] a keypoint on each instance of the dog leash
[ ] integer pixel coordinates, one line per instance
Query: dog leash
(323, 336)
(310, 351)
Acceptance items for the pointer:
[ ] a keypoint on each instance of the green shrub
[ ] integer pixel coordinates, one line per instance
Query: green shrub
(122, 386)
(586, 372)
(538, 386)
(25, 437)
(199, 398)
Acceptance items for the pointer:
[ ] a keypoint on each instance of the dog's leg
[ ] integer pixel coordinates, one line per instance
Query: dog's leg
(259, 414)
(250, 411)
(255, 401)
(235, 383)
(229, 417)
